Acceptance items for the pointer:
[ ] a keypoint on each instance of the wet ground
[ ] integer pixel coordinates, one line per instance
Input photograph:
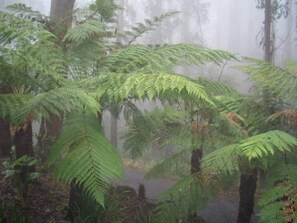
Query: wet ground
(222, 210)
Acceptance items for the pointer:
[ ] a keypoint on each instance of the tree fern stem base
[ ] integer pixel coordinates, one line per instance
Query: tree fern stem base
(247, 190)
(5, 138)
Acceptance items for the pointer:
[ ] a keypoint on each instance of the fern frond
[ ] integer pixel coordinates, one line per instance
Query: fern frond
(278, 204)
(120, 87)
(262, 145)
(176, 165)
(184, 198)
(216, 88)
(145, 59)
(11, 103)
(223, 159)
(148, 25)
(87, 30)
(57, 100)
(82, 154)
(26, 12)
(281, 82)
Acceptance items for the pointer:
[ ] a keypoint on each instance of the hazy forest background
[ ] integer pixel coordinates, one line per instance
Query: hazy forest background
(148, 111)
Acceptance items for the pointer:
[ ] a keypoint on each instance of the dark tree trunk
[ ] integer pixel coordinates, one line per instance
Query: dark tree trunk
(196, 160)
(5, 138)
(75, 202)
(247, 190)
(49, 132)
(23, 141)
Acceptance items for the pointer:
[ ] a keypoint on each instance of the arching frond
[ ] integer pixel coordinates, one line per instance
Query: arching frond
(148, 86)
(176, 165)
(82, 154)
(216, 88)
(282, 82)
(145, 59)
(26, 12)
(255, 147)
(224, 159)
(85, 31)
(57, 100)
(268, 143)
(11, 103)
(148, 25)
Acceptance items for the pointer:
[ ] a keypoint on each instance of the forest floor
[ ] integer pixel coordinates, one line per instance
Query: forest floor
(47, 200)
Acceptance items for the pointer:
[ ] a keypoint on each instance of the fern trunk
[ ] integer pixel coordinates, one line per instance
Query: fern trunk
(247, 190)
(49, 132)
(196, 160)
(5, 138)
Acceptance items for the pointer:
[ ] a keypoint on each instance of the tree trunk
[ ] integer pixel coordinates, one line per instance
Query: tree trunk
(75, 202)
(267, 31)
(114, 131)
(5, 138)
(61, 15)
(49, 132)
(23, 141)
(247, 190)
(196, 160)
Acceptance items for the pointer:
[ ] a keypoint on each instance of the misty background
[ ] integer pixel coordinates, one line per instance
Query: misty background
(231, 25)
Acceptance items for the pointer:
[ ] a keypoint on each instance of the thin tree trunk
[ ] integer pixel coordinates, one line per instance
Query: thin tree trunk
(114, 131)
(267, 31)
(247, 190)
(5, 138)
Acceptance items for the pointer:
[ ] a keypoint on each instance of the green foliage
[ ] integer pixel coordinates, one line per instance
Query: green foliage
(19, 179)
(281, 81)
(82, 155)
(278, 203)
(140, 58)
(148, 25)
(256, 147)
(184, 198)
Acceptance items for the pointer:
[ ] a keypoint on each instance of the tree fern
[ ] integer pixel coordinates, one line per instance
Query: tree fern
(83, 155)
(281, 81)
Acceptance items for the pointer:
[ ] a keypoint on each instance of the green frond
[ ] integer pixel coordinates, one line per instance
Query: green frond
(89, 29)
(223, 159)
(26, 12)
(56, 100)
(282, 82)
(139, 86)
(268, 143)
(216, 88)
(184, 198)
(145, 59)
(176, 165)
(11, 103)
(82, 154)
(148, 25)
(277, 203)
(152, 129)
